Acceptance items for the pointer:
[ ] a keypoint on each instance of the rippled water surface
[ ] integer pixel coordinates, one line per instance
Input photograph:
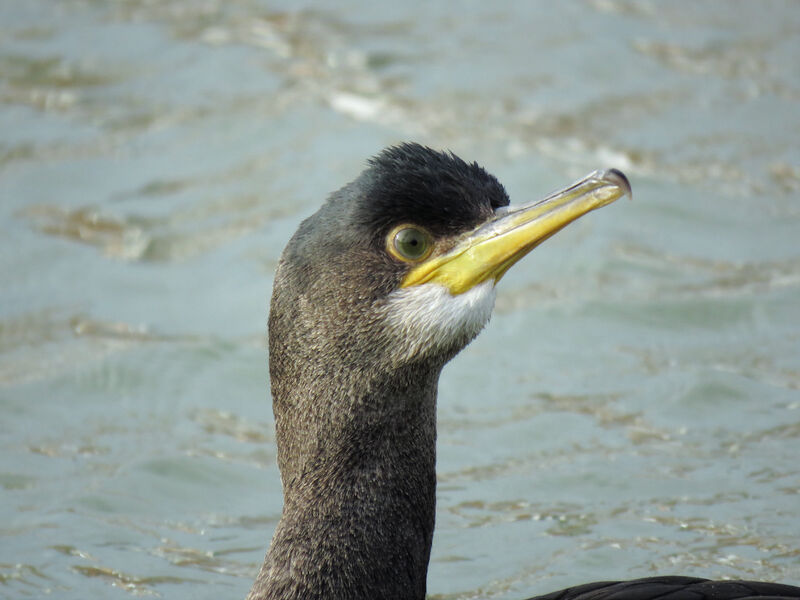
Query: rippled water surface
(633, 407)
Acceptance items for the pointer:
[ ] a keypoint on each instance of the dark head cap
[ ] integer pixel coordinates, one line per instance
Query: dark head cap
(344, 242)
(411, 183)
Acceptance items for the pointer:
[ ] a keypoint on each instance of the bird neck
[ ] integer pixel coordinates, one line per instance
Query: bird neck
(358, 465)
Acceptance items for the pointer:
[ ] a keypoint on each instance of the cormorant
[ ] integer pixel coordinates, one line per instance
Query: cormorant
(374, 293)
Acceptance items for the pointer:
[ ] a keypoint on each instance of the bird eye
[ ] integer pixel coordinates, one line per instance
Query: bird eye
(410, 243)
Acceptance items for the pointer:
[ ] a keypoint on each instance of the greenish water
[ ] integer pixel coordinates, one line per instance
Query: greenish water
(633, 407)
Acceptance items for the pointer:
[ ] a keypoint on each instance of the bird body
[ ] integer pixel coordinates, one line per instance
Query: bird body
(675, 588)
(373, 295)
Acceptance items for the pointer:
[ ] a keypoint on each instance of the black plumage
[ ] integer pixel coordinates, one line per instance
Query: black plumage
(675, 588)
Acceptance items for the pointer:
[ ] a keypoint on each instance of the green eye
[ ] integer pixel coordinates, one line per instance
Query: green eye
(410, 243)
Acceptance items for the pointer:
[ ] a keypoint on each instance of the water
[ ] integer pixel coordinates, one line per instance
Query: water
(633, 406)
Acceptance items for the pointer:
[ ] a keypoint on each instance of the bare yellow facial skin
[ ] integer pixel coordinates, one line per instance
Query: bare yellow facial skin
(491, 249)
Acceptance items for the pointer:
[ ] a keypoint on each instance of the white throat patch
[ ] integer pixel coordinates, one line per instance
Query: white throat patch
(428, 316)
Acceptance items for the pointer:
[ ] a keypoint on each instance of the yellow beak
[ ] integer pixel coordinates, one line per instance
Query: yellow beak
(491, 249)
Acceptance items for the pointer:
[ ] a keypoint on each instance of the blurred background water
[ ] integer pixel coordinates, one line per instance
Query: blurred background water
(632, 408)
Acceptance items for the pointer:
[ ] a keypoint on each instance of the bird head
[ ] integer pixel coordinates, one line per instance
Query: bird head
(400, 265)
